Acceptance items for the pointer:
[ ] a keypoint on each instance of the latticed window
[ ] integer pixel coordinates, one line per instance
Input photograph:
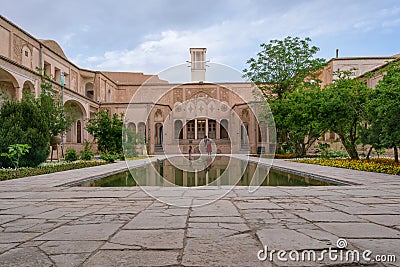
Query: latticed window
(190, 129)
(212, 129)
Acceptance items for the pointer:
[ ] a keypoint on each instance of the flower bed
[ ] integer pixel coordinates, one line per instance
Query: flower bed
(44, 168)
(281, 156)
(383, 165)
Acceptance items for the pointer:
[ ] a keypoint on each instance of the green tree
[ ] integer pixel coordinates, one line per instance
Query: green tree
(23, 122)
(284, 65)
(372, 134)
(107, 131)
(131, 140)
(280, 68)
(343, 109)
(297, 114)
(58, 118)
(384, 111)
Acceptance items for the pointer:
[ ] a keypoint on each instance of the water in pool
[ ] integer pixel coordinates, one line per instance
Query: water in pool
(218, 172)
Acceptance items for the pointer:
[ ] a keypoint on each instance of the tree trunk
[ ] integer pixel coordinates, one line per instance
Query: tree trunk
(396, 154)
(299, 148)
(353, 154)
(369, 152)
(350, 148)
(302, 149)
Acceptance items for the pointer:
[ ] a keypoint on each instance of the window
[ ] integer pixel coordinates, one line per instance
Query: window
(332, 136)
(212, 133)
(190, 129)
(178, 129)
(201, 129)
(89, 92)
(224, 129)
(78, 132)
(57, 75)
(47, 69)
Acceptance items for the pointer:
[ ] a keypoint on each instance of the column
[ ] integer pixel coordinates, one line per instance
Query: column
(207, 127)
(195, 128)
(206, 178)
(19, 93)
(184, 178)
(184, 129)
(217, 129)
(195, 178)
(267, 142)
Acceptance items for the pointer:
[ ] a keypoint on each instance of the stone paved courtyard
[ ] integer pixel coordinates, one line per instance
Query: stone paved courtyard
(45, 224)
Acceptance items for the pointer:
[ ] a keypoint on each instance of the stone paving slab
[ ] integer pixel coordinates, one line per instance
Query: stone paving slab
(99, 231)
(359, 230)
(106, 258)
(43, 223)
(151, 239)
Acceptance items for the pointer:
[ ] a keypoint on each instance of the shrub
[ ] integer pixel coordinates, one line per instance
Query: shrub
(24, 123)
(15, 152)
(87, 153)
(121, 156)
(71, 155)
(108, 157)
(336, 154)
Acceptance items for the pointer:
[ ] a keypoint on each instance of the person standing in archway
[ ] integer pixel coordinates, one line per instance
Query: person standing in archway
(190, 152)
(208, 145)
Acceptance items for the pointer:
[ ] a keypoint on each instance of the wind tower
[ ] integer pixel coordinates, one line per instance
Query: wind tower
(198, 64)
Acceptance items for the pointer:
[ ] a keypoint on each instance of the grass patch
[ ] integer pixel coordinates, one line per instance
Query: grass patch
(138, 157)
(44, 168)
(384, 165)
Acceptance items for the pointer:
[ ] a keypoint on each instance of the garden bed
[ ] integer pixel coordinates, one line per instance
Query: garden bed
(282, 156)
(45, 168)
(382, 165)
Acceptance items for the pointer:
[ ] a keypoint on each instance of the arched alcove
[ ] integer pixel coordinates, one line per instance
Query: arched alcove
(75, 134)
(8, 86)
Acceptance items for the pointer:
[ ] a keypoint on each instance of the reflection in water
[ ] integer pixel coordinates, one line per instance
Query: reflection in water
(202, 172)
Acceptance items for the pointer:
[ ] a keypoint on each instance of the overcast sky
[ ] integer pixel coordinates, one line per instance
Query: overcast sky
(149, 36)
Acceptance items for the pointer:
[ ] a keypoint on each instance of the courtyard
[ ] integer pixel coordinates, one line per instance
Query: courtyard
(258, 133)
(45, 223)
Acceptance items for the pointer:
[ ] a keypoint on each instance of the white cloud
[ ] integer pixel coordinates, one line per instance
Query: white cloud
(168, 48)
(233, 41)
(391, 23)
(389, 12)
(67, 40)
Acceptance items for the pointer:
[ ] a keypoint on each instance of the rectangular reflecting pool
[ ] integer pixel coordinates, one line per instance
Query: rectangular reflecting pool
(219, 171)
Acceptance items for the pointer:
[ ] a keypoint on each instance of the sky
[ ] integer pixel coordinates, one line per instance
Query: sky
(150, 36)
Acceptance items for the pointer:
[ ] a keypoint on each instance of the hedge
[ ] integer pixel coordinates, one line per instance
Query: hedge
(7, 174)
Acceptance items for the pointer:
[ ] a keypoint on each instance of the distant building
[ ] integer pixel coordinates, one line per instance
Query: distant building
(359, 67)
(220, 111)
(171, 117)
